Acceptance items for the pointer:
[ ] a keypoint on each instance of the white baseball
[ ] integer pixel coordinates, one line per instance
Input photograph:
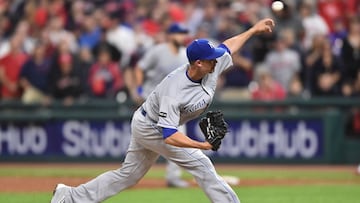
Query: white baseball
(277, 5)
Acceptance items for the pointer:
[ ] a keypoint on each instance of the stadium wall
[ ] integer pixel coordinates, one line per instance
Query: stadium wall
(279, 132)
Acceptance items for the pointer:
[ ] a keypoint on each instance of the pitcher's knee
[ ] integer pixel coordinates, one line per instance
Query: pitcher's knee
(129, 178)
(131, 182)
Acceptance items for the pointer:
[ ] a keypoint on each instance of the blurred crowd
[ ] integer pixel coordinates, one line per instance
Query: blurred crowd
(72, 49)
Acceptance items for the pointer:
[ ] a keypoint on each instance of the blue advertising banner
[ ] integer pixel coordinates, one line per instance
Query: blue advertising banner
(65, 138)
(269, 139)
(278, 139)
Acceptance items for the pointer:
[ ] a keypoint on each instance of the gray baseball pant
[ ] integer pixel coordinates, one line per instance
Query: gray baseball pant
(145, 146)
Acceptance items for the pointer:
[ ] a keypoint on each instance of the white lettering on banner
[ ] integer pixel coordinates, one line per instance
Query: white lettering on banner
(81, 139)
(251, 141)
(23, 140)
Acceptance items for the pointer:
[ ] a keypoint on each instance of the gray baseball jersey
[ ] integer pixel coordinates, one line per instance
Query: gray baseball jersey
(178, 99)
(174, 101)
(157, 63)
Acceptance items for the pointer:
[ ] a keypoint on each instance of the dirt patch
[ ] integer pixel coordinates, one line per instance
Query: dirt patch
(46, 184)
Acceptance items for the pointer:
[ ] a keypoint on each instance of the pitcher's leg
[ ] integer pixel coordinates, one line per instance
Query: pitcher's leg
(137, 162)
(173, 176)
(200, 166)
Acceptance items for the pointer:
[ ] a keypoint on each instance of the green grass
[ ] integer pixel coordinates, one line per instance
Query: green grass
(294, 194)
(301, 194)
(25, 197)
(270, 194)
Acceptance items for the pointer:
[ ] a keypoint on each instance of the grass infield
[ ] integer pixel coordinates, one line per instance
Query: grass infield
(267, 194)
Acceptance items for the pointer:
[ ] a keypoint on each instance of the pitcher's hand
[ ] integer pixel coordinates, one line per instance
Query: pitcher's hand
(265, 25)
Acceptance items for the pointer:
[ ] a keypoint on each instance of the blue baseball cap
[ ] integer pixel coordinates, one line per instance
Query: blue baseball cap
(202, 49)
(176, 28)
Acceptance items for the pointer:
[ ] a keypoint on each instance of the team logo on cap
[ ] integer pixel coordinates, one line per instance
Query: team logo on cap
(211, 45)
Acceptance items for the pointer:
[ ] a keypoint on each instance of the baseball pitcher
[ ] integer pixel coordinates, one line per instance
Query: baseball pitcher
(181, 96)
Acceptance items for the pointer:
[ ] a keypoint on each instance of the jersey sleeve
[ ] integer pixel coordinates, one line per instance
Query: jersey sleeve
(167, 132)
(169, 113)
(224, 62)
(223, 46)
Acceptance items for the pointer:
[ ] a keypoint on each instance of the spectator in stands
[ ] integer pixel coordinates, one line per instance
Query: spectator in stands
(150, 15)
(105, 77)
(78, 13)
(65, 79)
(4, 28)
(58, 34)
(283, 63)
(262, 44)
(13, 11)
(34, 75)
(115, 53)
(313, 23)
(251, 11)
(208, 15)
(332, 10)
(86, 60)
(176, 11)
(350, 52)
(27, 41)
(228, 24)
(10, 66)
(246, 14)
(323, 69)
(144, 42)
(118, 35)
(91, 34)
(352, 89)
(336, 37)
(311, 56)
(237, 78)
(24, 29)
(37, 13)
(96, 23)
(264, 87)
